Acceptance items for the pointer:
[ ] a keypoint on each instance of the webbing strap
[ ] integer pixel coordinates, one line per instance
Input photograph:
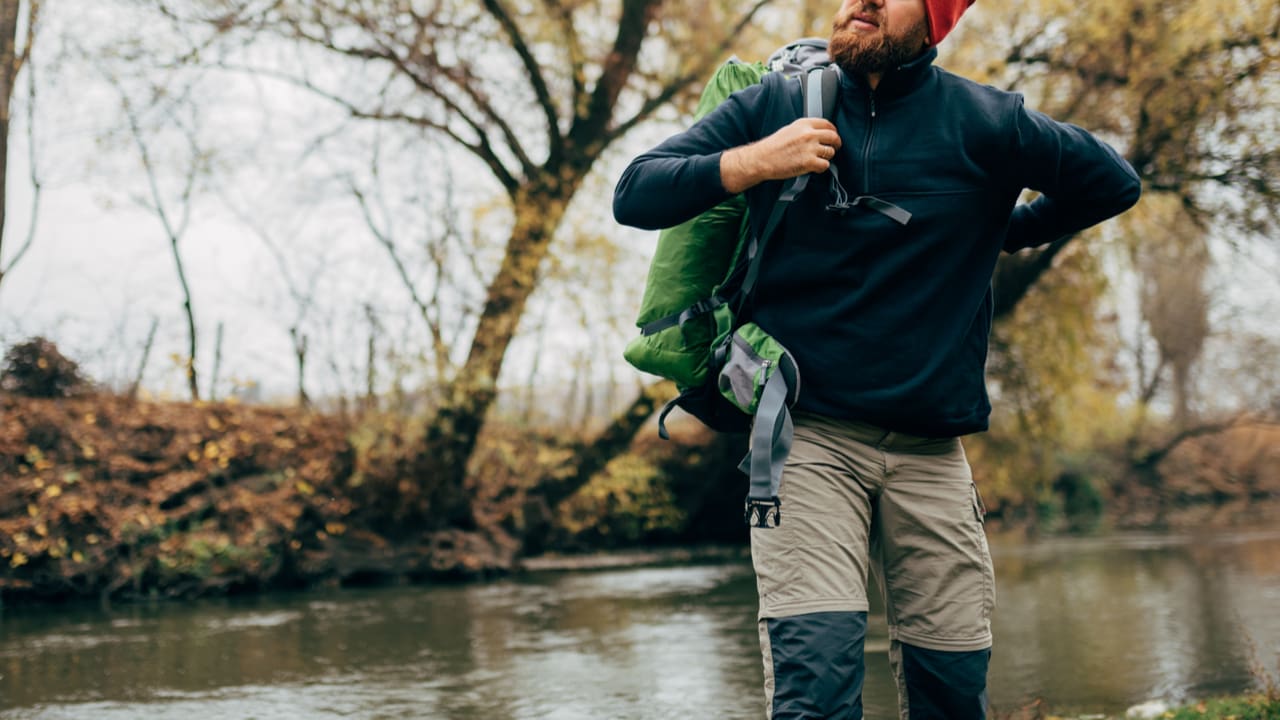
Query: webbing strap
(755, 249)
(662, 417)
(818, 91)
(701, 307)
(884, 207)
(772, 430)
(771, 437)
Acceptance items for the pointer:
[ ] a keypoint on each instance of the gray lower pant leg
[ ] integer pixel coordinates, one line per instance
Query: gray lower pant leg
(814, 664)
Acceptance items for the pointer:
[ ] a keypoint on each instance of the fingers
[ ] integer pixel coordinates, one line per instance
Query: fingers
(807, 145)
(818, 143)
(823, 131)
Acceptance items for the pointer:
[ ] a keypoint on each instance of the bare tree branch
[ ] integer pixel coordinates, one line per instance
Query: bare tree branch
(534, 71)
(482, 148)
(588, 126)
(469, 87)
(33, 167)
(388, 244)
(12, 61)
(680, 82)
(1152, 457)
(174, 232)
(572, 45)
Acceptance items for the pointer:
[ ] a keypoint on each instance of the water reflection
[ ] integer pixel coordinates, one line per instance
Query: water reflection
(1093, 625)
(1105, 623)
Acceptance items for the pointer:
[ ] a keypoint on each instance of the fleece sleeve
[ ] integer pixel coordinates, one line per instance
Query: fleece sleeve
(680, 178)
(1081, 180)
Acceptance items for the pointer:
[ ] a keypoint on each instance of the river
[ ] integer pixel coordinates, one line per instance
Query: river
(1090, 624)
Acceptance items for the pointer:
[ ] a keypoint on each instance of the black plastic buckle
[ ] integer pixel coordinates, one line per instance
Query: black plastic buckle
(761, 510)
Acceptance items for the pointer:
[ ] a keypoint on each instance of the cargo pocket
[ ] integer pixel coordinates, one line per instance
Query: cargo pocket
(979, 507)
(984, 552)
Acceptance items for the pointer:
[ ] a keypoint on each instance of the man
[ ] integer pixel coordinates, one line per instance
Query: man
(889, 323)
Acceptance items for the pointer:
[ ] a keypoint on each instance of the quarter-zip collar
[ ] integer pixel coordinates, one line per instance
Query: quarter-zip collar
(898, 81)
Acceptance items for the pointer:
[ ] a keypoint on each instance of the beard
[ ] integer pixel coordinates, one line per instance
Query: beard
(859, 54)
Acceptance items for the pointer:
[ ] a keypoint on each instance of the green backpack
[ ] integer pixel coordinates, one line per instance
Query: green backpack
(732, 375)
(690, 265)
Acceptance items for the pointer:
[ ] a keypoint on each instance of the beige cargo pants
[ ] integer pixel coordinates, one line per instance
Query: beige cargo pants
(858, 499)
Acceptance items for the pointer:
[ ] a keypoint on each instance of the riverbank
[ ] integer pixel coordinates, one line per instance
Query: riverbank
(105, 498)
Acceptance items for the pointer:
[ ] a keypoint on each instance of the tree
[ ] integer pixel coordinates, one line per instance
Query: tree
(536, 93)
(175, 221)
(1187, 90)
(14, 56)
(1175, 300)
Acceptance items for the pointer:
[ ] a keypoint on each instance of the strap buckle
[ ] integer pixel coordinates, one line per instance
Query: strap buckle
(762, 510)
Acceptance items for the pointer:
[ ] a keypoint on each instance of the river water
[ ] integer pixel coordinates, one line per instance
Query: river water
(1087, 624)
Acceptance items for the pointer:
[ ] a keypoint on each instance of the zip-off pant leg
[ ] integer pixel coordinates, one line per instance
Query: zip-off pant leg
(814, 665)
(943, 685)
(811, 573)
(930, 555)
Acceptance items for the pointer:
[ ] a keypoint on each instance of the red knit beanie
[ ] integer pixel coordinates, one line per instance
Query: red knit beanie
(943, 16)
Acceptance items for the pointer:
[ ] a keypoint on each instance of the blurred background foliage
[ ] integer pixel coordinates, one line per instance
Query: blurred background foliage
(416, 197)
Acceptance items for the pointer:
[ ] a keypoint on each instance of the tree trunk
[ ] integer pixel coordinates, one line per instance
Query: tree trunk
(142, 364)
(451, 435)
(217, 364)
(193, 381)
(8, 75)
(589, 459)
(1016, 274)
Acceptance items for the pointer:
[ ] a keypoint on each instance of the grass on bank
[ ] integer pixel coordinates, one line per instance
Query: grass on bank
(1258, 707)
(1248, 707)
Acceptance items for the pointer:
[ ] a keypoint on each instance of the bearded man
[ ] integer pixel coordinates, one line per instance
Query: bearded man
(886, 304)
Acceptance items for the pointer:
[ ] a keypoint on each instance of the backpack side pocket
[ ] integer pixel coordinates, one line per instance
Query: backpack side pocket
(751, 358)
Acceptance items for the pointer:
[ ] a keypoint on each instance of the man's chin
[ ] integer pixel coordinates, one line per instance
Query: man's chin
(853, 46)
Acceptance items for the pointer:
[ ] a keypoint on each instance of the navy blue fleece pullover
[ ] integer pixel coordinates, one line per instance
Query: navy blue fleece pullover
(889, 322)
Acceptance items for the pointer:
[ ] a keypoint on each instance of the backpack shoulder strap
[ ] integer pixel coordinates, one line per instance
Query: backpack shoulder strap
(821, 85)
(818, 89)
(772, 429)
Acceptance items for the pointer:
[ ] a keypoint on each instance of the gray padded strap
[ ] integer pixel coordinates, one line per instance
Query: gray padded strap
(813, 93)
(819, 98)
(771, 437)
